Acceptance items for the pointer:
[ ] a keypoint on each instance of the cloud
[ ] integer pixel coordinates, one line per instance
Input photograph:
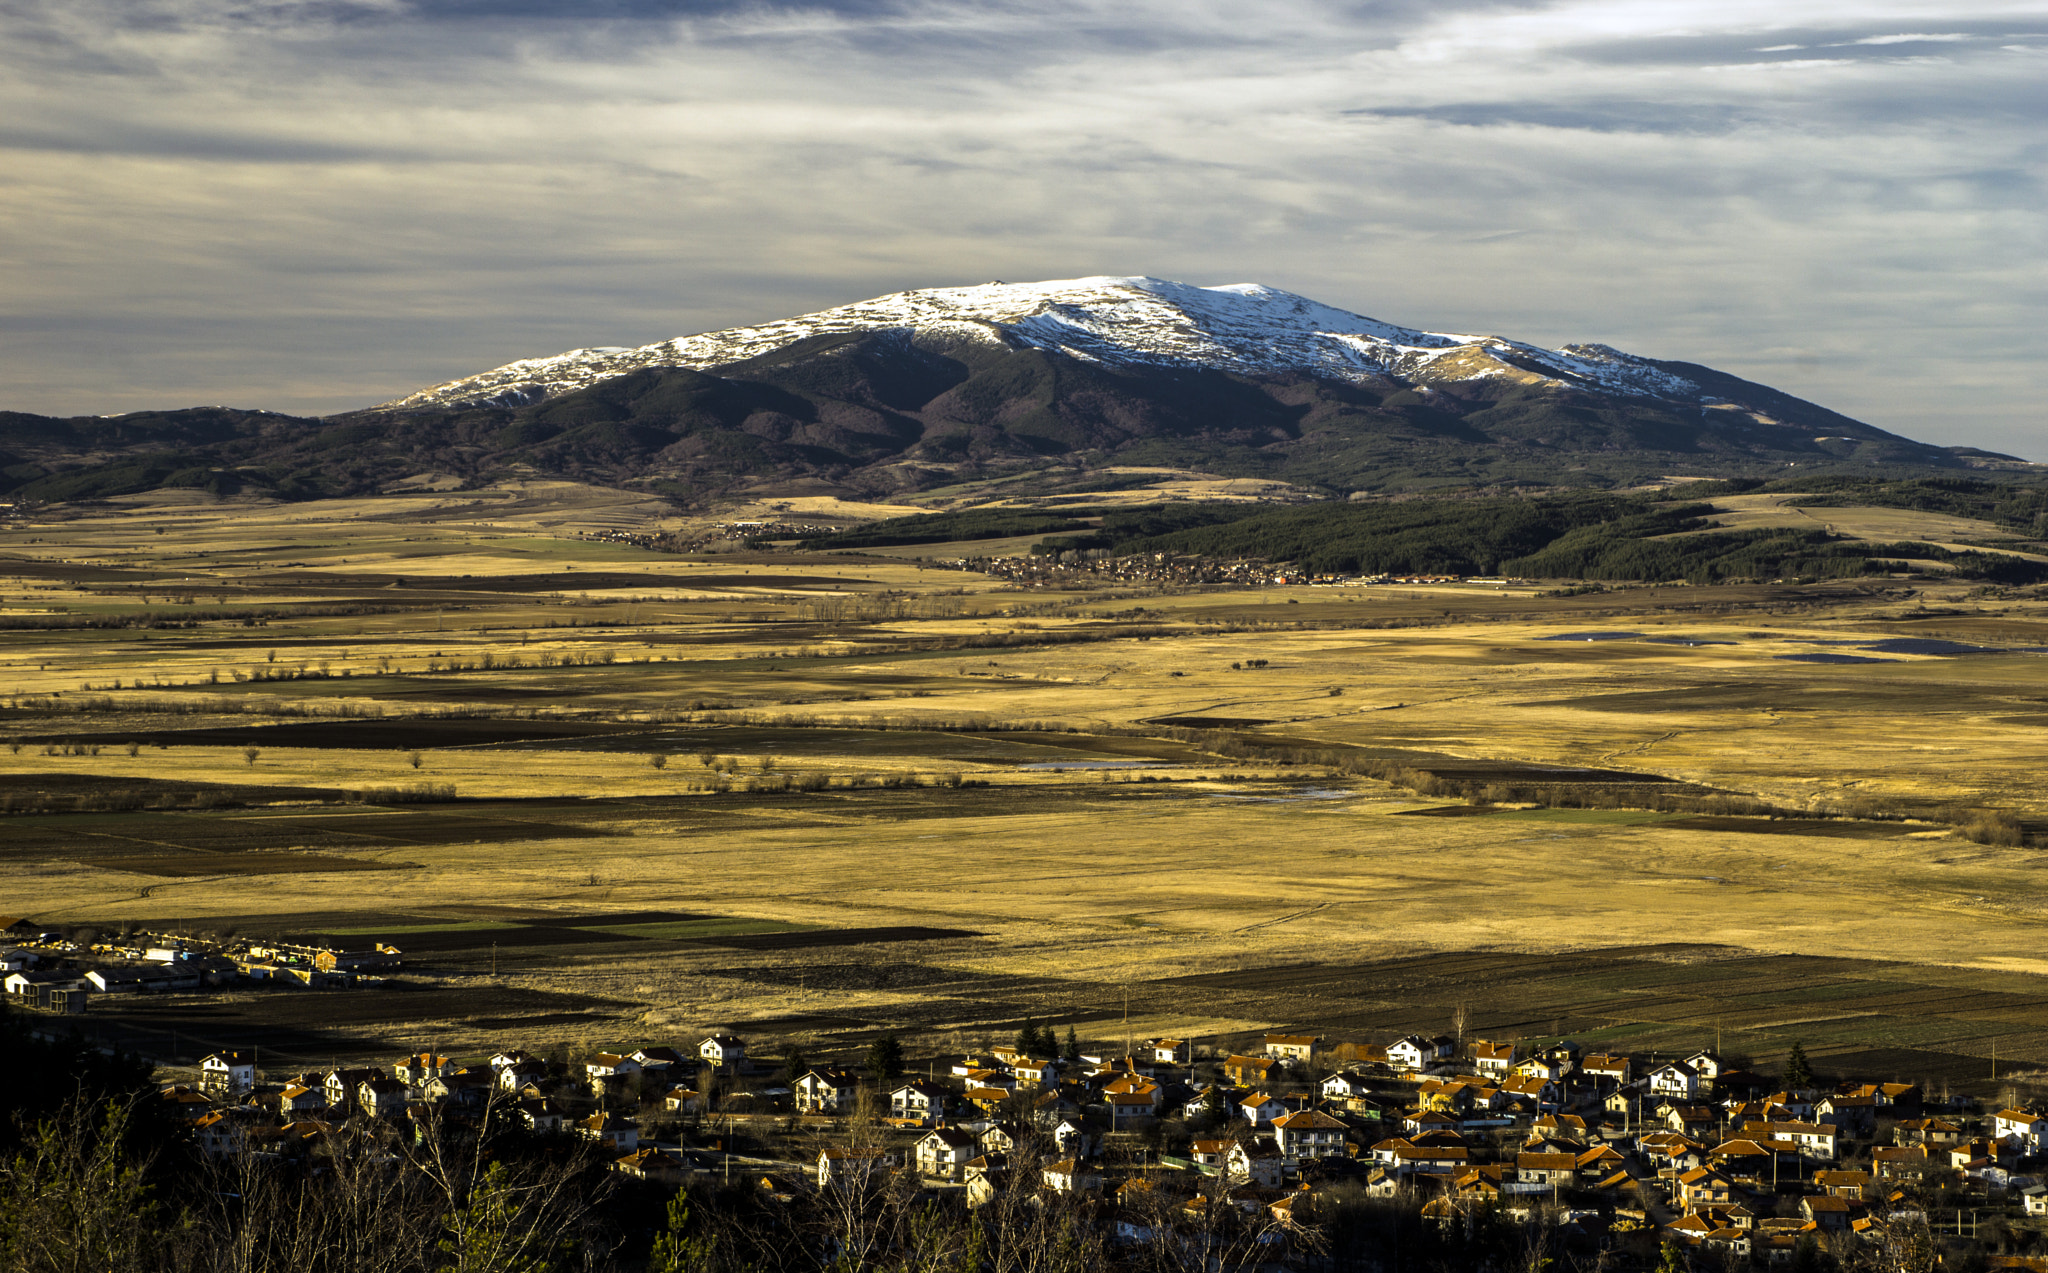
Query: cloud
(1951, 38)
(311, 206)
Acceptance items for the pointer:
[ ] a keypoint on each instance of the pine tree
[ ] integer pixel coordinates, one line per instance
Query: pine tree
(491, 1234)
(675, 1251)
(1798, 1073)
(795, 1066)
(1072, 1052)
(885, 1058)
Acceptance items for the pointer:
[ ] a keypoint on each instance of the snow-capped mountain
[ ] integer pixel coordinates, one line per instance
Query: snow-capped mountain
(1243, 329)
(1057, 388)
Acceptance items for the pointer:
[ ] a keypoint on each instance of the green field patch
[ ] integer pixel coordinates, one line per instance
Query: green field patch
(1593, 817)
(466, 926)
(684, 930)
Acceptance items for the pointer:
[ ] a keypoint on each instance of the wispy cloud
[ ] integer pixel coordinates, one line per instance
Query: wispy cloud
(1951, 38)
(310, 205)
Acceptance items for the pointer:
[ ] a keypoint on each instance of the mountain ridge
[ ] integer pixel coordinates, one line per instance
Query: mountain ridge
(1243, 328)
(1039, 382)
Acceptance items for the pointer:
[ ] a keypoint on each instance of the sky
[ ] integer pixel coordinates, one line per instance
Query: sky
(315, 205)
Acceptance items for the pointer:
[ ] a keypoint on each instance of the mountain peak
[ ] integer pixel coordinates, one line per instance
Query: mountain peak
(1136, 321)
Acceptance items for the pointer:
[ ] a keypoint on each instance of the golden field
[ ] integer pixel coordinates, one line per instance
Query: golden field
(1230, 837)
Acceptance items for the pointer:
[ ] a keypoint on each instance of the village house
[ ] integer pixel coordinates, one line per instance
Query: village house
(1703, 1187)
(1291, 1047)
(1170, 1051)
(826, 1092)
(1074, 1135)
(1908, 1160)
(1851, 1115)
(682, 1100)
(1346, 1087)
(1853, 1185)
(522, 1074)
(1258, 1109)
(126, 980)
(2022, 1128)
(1250, 1071)
(26, 983)
(1927, 1131)
(1555, 1170)
(723, 1050)
(1537, 1093)
(1073, 1176)
(415, 1071)
(987, 1176)
(1493, 1060)
(1758, 1160)
(651, 1164)
(1676, 1079)
(609, 1072)
(1555, 1126)
(342, 1085)
(1258, 1162)
(1003, 1079)
(944, 1152)
(662, 1060)
(297, 1098)
(999, 1137)
(227, 1074)
(1124, 1107)
(1422, 1155)
(538, 1114)
(186, 1104)
(1815, 1140)
(1048, 1108)
(382, 1097)
(1308, 1135)
(611, 1131)
(1030, 1072)
(973, 1064)
(218, 1135)
(1613, 1069)
(920, 1101)
(468, 1088)
(1413, 1052)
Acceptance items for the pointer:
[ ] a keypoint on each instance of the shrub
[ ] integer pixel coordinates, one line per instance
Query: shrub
(1994, 826)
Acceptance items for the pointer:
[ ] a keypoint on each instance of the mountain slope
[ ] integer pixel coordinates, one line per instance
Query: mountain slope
(1243, 329)
(927, 388)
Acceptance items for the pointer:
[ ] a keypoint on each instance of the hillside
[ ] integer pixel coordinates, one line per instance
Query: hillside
(924, 389)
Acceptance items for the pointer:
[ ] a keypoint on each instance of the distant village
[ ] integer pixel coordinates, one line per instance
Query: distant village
(56, 973)
(1613, 1153)
(1038, 570)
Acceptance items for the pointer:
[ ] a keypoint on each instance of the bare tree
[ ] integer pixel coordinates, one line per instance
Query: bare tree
(73, 1200)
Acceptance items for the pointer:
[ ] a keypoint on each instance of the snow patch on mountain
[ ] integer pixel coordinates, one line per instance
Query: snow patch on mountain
(1241, 327)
